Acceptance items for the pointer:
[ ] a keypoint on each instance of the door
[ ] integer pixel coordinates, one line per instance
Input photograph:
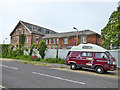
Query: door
(87, 58)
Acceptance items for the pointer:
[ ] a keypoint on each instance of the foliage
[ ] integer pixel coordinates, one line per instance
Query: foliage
(34, 56)
(22, 39)
(5, 49)
(54, 60)
(41, 48)
(31, 49)
(111, 32)
(37, 59)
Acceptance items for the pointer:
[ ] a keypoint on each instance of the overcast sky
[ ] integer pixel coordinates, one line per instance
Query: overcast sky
(60, 16)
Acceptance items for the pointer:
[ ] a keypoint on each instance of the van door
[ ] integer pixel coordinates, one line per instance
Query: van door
(100, 58)
(87, 58)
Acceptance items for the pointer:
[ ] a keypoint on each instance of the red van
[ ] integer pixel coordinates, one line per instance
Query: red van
(90, 56)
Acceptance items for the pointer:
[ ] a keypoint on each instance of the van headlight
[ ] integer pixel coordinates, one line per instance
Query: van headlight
(114, 63)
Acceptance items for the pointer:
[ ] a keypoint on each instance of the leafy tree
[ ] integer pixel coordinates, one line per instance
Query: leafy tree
(111, 32)
(41, 48)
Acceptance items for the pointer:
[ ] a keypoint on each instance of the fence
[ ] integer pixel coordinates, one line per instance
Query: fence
(51, 53)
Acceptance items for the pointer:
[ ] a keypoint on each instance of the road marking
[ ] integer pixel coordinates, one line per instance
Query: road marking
(2, 86)
(8, 67)
(59, 78)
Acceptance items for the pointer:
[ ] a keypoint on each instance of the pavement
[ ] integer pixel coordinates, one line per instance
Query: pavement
(20, 75)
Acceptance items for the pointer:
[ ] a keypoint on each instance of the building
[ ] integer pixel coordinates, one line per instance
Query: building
(34, 34)
(31, 31)
(68, 39)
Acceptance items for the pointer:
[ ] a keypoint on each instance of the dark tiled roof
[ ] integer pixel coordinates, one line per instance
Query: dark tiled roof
(69, 34)
(38, 29)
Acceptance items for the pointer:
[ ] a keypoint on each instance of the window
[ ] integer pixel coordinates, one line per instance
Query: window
(15, 39)
(87, 47)
(37, 39)
(27, 39)
(65, 40)
(57, 41)
(86, 54)
(74, 53)
(83, 39)
(46, 41)
(24, 31)
(100, 55)
(20, 31)
(53, 41)
(49, 41)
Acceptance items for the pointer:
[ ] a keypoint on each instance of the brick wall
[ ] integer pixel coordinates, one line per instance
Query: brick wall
(72, 41)
(17, 34)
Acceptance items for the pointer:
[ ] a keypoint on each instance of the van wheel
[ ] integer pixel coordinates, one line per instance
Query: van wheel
(99, 69)
(73, 66)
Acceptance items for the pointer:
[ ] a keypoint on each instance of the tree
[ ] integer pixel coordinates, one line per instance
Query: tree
(41, 48)
(111, 32)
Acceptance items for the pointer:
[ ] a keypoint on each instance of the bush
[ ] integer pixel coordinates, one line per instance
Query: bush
(34, 56)
(54, 60)
(37, 59)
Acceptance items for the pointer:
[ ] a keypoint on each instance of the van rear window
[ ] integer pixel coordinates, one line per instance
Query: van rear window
(75, 53)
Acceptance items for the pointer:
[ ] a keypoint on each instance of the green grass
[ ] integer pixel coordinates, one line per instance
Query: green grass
(53, 60)
(47, 60)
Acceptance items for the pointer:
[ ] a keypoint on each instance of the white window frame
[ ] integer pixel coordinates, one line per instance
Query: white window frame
(65, 40)
(84, 39)
(57, 41)
(20, 31)
(49, 41)
(53, 41)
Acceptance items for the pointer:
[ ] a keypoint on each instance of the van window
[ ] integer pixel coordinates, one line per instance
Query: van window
(75, 53)
(86, 54)
(100, 55)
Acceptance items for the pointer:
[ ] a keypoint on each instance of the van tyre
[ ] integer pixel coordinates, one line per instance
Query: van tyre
(73, 66)
(99, 69)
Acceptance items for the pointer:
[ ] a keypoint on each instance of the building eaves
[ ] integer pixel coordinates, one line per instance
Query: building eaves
(69, 34)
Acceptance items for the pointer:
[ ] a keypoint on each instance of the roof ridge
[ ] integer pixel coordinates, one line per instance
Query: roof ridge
(36, 25)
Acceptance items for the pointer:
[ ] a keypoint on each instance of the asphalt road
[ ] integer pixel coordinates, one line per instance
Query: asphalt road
(20, 75)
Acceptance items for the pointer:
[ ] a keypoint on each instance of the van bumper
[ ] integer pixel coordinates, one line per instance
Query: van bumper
(113, 68)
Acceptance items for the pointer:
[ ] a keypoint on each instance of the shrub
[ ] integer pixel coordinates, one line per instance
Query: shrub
(55, 60)
(37, 59)
(41, 48)
(33, 57)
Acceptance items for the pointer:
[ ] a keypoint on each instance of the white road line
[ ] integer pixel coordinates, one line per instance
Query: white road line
(59, 78)
(2, 86)
(8, 67)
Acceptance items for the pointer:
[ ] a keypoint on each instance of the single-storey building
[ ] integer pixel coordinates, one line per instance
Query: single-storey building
(68, 39)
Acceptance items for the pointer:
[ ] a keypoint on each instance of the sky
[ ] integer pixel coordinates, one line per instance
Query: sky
(58, 15)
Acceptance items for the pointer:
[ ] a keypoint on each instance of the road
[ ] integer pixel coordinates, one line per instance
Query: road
(20, 75)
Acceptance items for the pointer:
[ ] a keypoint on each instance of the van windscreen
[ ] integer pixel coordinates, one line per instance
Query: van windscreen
(109, 55)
